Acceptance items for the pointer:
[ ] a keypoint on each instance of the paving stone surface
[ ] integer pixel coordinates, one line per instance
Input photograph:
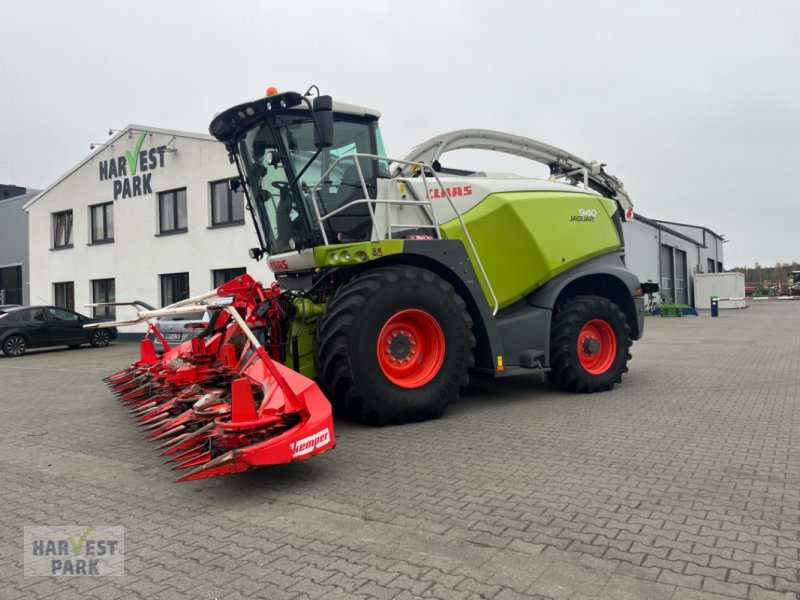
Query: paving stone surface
(681, 484)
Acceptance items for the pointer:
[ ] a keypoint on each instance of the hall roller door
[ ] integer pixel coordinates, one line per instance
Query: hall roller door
(667, 291)
(681, 278)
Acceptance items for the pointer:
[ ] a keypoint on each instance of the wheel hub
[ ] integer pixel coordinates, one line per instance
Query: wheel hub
(591, 346)
(597, 346)
(15, 347)
(410, 348)
(400, 345)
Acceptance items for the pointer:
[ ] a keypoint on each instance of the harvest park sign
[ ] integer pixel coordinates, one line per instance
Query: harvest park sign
(122, 170)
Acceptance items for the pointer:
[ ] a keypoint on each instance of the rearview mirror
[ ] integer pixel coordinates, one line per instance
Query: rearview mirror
(323, 113)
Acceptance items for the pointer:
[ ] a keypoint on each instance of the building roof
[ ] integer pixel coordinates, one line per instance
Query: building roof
(27, 197)
(716, 235)
(101, 147)
(10, 190)
(658, 225)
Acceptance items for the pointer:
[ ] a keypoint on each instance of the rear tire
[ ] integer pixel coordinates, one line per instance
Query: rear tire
(394, 345)
(589, 345)
(15, 345)
(100, 338)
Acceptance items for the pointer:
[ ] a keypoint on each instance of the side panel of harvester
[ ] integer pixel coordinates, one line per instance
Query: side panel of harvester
(525, 239)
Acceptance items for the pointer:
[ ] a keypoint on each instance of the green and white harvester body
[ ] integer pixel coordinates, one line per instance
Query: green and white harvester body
(402, 276)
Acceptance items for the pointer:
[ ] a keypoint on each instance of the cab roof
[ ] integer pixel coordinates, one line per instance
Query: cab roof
(232, 123)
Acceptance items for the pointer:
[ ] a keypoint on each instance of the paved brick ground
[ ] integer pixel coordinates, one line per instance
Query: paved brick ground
(682, 484)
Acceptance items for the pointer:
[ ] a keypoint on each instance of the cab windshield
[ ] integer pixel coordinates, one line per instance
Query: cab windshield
(281, 148)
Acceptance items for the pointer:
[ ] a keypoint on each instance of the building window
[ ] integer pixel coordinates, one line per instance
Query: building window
(710, 265)
(102, 216)
(227, 206)
(172, 211)
(104, 290)
(174, 288)
(220, 276)
(719, 267)
(62, 229)
(64, 294)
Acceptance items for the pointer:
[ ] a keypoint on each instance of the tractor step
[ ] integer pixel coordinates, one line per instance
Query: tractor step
(531, 359)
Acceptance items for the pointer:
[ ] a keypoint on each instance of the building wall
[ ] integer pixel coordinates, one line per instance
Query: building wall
(685, 278)
(641, 250)
(14, 239)
(704, 237)
(654, 253)
(138, 254)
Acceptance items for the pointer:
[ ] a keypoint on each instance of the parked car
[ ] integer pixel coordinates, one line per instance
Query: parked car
(176, 329)
(39, 326)
(4, 308)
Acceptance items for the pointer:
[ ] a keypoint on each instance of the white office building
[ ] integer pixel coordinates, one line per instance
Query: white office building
(147, 216)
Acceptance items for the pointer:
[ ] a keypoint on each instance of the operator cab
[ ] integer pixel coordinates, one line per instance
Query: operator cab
(283, 145)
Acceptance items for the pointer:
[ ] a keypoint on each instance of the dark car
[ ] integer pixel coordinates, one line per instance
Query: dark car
(39, 326)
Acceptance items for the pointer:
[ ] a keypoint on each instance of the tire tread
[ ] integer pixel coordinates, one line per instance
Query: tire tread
(566, 371)
(332, 360)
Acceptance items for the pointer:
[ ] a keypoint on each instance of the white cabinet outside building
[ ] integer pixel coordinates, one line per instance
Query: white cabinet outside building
(721, 285)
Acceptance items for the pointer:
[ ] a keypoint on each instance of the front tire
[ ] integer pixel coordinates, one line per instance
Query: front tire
(394, 345)
(15, 345)
(100, 338)
(589, 345)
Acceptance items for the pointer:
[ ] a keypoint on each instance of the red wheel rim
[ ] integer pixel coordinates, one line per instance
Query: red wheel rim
(597, 346)
(410, 348)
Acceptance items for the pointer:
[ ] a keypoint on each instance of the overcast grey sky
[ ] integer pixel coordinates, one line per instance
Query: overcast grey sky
(694, 105)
